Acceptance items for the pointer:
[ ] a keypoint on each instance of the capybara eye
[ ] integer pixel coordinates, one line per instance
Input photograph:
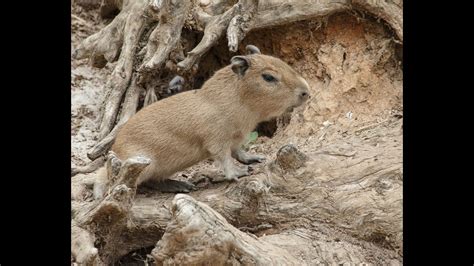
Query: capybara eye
(269, 78)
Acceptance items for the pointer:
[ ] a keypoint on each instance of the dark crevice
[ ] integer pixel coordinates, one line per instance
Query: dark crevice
(137, 257)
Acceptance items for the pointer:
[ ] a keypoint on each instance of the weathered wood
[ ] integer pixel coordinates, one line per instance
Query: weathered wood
(107, 219)
(363, 199)
(82, 245)
(241, 24)
(104, 145)
(88, 4)
(212, 33)
(89, 168)
(105, 44)
(120, 79)
(197, 235)
(129, 108)
(150, 96)
(292, 11)
(165, 36)
(390, 11)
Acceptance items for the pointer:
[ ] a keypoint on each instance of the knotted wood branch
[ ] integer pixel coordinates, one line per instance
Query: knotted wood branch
(165, 36)
(129, 108)
(241, 24)
(197, 235)
(212, 33)
(104, 221)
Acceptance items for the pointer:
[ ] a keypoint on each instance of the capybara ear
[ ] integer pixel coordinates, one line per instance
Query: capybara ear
(240, 64)
(252, 49)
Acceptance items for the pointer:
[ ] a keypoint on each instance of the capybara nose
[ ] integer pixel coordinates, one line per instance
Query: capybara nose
(305, 95)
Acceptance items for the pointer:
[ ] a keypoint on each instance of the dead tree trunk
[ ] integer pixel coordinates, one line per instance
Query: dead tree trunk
(301, 195)
(101, 224)
(197, 235)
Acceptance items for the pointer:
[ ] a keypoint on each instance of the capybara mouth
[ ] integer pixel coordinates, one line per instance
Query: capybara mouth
(291, 108)
(298, 104)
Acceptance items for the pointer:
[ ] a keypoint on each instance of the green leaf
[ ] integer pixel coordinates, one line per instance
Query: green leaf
(252, 137)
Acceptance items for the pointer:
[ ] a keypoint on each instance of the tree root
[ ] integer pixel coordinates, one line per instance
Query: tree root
(104, 46)
(198, 234)
(388, 11)
(241, 24)
(107, 219)
(89, 168)
(165, 36)
(212, 33)
(82, 245)
(122, 74)
(129, 108)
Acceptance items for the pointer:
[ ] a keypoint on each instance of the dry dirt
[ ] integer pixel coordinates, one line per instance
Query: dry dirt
(354, 69)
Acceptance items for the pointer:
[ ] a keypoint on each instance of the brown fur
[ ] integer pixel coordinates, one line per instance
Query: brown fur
(211, 122)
